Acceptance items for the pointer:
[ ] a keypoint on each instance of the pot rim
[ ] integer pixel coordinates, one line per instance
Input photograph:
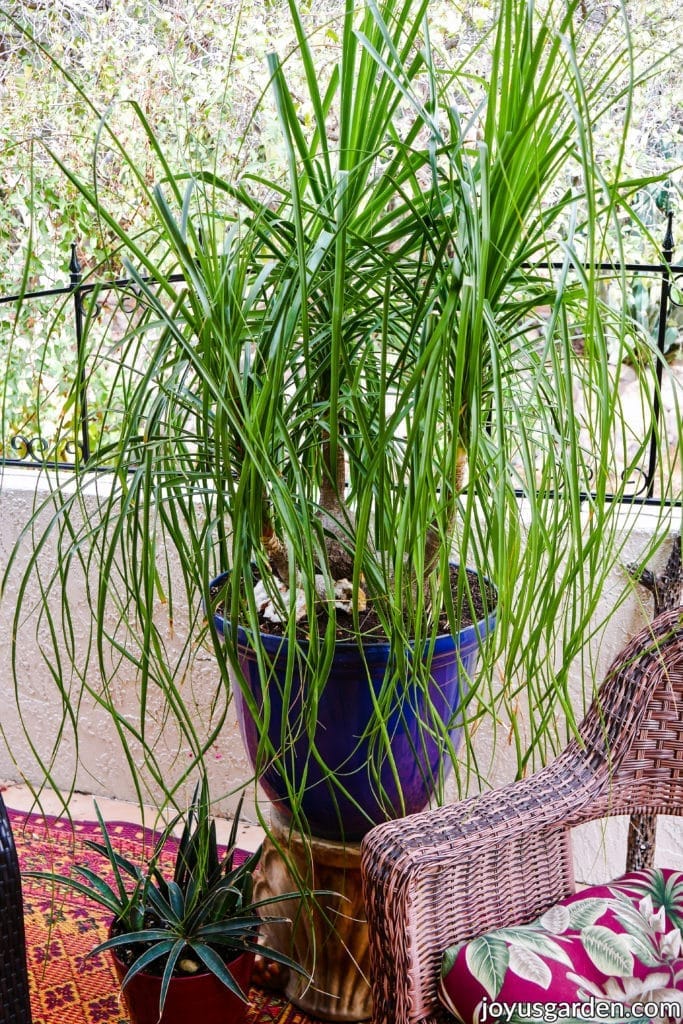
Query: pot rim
(443, 642)
(176, 977)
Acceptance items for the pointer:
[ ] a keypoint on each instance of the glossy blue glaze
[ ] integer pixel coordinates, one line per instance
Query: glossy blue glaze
(344, 710)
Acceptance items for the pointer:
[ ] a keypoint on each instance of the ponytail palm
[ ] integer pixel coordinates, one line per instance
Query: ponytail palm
(370, 371)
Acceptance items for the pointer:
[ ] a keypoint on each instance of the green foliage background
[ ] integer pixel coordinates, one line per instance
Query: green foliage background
(198, 71)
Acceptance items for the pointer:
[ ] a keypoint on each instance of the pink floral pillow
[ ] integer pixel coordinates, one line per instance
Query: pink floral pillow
(616, 943)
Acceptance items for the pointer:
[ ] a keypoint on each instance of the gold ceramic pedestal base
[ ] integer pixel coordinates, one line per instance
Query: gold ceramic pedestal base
(330, 937)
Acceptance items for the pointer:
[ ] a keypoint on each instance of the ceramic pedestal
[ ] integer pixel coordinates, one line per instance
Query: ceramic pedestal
(328, 938)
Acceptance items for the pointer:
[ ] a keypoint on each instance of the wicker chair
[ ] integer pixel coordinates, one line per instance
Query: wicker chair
(456, 872)
(15, 1006)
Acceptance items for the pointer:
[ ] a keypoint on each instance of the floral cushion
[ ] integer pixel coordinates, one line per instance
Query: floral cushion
(616, 943)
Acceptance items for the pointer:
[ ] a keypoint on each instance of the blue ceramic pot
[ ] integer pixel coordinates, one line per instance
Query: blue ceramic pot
(345, 710)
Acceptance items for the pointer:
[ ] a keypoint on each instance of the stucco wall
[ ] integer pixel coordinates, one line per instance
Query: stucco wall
(98, 766)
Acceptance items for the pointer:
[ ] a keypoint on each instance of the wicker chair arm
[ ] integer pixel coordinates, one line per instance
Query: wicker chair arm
(554, 796)
(437, 878)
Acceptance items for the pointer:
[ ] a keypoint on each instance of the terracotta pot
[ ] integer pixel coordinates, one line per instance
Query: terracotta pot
(187, 996)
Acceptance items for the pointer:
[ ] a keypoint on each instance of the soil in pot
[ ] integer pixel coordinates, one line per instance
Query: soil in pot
(369, 628)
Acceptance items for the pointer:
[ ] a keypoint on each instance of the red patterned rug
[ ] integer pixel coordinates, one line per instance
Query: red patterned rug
(67, 985)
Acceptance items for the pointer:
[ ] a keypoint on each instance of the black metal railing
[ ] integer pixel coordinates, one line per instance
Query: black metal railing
(28, 447)
(31, 448)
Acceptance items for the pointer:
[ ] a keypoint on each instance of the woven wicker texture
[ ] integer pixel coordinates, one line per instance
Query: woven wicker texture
(14, 993)
(437, 878)
(665, 588)
(66, 985)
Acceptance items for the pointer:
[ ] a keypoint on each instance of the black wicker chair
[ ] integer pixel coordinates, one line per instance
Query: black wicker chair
(15, 1007)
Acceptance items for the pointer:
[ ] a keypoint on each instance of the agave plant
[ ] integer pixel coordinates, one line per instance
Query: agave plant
(201, 918)
(393, 359)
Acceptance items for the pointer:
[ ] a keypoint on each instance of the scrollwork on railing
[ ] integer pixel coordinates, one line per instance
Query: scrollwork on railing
(30, 449)
(676, 291)
(637, 474)
(38, 451)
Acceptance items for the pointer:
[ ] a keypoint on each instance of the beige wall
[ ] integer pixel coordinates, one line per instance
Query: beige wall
(101, 769)
(98, 766)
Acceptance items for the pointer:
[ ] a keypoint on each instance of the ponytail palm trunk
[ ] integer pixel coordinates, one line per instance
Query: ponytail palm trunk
(371, 372)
